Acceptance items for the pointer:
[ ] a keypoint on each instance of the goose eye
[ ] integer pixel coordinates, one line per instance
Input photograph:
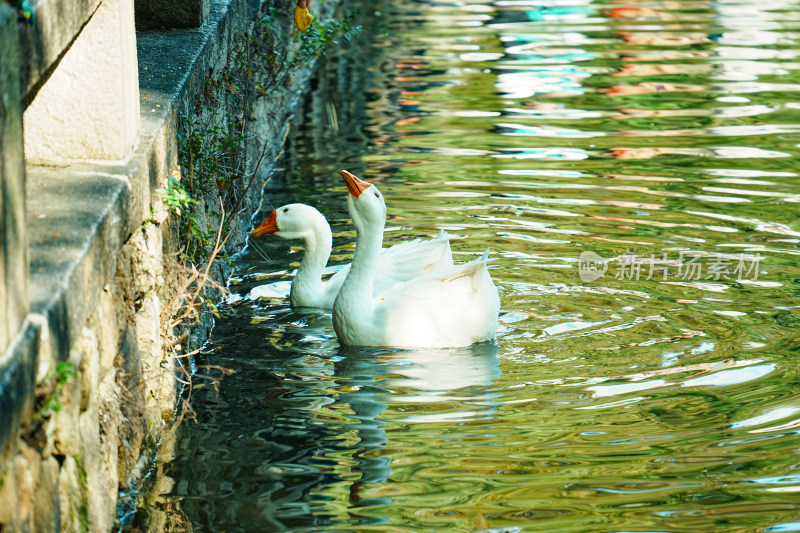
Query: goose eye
(285, 209)
(377, 195)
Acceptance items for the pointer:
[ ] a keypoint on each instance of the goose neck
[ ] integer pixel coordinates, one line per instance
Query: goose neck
(318, 244)
(365, 258)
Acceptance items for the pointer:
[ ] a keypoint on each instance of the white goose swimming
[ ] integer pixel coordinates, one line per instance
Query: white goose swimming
(448, 308)
(401, 262)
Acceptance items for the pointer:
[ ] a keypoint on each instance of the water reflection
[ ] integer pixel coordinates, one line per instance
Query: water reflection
(408, 386)
(432, 376)
(298, 411)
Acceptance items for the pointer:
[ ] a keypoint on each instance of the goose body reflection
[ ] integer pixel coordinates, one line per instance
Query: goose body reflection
(449, 308)
(401, 262)
(444, 384)
(382, 388)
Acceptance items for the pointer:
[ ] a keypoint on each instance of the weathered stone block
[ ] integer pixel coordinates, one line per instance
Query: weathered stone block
(89, 107)
(88, 360)
(71, 497)
(108, 324)
(109, 398)
(17, 494)
(158, 374)
(133, 428)
(168, 14)
(66, 434)
(100, 502)
(74, 247)
(47, 513)
(9, 496)
(13, 242)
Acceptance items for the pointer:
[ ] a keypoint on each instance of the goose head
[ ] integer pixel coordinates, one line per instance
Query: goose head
(291, 221)
(364, 202)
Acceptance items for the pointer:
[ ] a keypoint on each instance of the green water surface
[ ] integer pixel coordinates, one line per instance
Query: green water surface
(649, 385)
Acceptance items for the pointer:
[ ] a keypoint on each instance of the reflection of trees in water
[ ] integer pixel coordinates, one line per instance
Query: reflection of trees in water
(247, 462)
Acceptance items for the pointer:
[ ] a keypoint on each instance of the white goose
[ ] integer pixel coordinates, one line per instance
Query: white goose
(401, 262)
(448, 308)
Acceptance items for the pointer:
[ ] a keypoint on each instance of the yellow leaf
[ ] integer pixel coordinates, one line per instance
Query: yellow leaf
(302, 18)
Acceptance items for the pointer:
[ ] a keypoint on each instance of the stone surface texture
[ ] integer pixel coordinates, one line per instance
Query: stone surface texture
(88, 109)
(43, 41)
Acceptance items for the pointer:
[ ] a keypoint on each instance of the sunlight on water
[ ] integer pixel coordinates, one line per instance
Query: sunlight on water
(631, 166)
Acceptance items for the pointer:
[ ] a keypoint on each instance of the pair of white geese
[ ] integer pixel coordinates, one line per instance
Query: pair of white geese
(408, 296)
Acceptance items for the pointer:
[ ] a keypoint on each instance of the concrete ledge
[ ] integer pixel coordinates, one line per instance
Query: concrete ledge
(73, 245)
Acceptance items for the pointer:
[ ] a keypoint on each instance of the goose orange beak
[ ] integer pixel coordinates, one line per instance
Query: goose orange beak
(268, 226)
(355, 185)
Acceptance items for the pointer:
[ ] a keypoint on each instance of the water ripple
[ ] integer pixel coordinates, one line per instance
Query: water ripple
(660, 131)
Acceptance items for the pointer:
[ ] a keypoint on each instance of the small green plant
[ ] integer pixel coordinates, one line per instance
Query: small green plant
(179, 201)
(212, 149)
(175, 197)
(198, 241)
(63, 373)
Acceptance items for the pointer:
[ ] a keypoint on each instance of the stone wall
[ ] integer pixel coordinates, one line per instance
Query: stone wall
(92, 368)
